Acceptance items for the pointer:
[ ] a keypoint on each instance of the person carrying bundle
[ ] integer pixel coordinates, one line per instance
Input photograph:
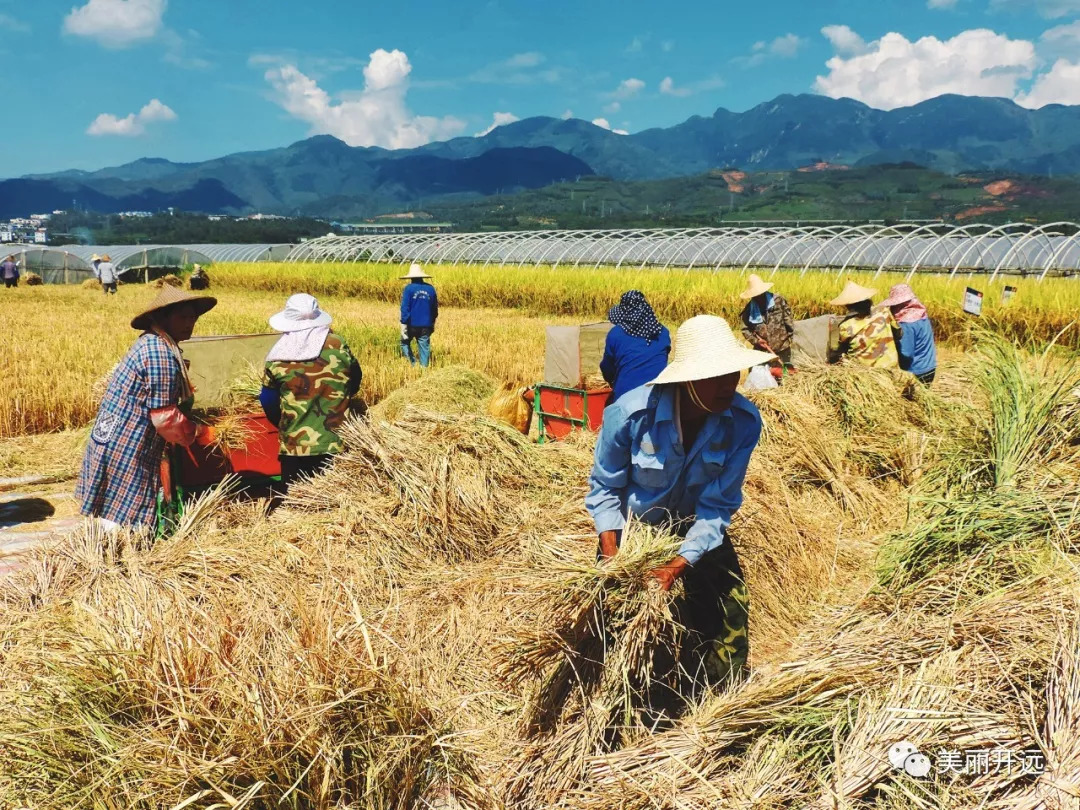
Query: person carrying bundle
(10, 272)
(309, 378)
(419, 311)
(865, 335)
(637, 347)
(677, 449)
(915, 338)
(768, 324)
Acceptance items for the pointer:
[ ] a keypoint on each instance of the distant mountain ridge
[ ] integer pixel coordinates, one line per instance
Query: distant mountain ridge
(322, 176)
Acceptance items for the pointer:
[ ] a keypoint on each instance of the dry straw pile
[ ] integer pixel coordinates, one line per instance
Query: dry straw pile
(426, 624)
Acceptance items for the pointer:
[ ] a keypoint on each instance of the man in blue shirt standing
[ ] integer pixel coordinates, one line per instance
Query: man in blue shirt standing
(419, 311)
(676, 451)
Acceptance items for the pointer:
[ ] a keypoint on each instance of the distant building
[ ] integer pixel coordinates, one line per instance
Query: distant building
(40, 235)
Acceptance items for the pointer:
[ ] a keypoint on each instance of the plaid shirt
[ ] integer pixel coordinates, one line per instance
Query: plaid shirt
(120, 472)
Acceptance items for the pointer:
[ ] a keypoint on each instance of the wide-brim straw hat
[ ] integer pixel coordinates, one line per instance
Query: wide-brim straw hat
(755, 287)
(705, 347)
(301, 312)
(415, 272)
(95, 258)
(853, 293)
(168, 297)
(899, 294)
(106, 258)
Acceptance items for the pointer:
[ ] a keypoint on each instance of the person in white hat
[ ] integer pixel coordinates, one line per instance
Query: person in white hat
(106, 273)
(310, 376)
(864, 336)
(676, 451)
(767, 322)
(419, 311)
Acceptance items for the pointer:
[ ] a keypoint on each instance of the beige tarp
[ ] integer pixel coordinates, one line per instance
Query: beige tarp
(574, 353)
(217, 361)
(811, 341)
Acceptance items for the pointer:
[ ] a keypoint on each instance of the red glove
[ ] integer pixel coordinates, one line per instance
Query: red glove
(666, 575)
(205, 434)
(776, 371)
(173, 426)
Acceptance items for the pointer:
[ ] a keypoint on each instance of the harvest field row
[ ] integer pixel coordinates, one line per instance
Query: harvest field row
(493, 320)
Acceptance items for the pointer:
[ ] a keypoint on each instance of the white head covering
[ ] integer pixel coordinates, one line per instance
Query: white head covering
(415, 273)
(305, 328)
(705, 347)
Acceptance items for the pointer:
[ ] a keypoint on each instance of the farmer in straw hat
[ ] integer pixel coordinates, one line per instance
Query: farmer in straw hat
(145, 406)
(865, 335)
(767, 321)
(915, 346)
(106, 273)
(309, 377)
(677, 450)
(419, 311)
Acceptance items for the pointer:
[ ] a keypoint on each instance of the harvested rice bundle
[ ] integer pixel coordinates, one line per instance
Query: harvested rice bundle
(453, 390)
(508, 405)
(605, 642)
(453, 483)
(91, 284)
(33, 279)
(169, 279)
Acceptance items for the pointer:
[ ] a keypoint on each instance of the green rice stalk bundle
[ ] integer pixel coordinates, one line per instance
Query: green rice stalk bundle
(983, 529)
(454, 484)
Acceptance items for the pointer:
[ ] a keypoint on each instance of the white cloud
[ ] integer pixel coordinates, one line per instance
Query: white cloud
(12, 25)
(521, 68)
(635, 46)
(603, 123)
(132, 124)
(784, 47)
(498, 120)
(946, 4)
(895, 72)
(1047, 8)
(612, 108)
(628, 88)
(567, 114)
(116, 23)
(667, 46)
(1059, 85)
(668, 88)
(1062, 42)
(374, 116)
(844, 41)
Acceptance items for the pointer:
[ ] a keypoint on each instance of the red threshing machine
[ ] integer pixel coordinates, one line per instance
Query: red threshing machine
(572, 395)
(215, 363)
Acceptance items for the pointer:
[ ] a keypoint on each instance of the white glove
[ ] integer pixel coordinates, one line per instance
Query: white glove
(404, 333)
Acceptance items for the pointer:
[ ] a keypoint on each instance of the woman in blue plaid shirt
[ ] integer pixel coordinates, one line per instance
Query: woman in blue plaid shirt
(142, 410)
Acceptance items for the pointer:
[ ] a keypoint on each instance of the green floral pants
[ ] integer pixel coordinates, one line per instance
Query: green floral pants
(716, 613)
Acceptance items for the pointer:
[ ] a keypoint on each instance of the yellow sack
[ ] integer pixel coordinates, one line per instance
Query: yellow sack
(508, 405)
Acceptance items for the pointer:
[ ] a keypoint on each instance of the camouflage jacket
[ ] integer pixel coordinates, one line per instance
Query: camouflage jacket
(865, 341)
(314, 398)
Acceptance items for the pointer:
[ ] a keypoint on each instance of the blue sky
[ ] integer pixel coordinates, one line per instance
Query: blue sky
(92, 83)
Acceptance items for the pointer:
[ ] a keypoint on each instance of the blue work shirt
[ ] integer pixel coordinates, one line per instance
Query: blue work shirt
(917, 351)
(630, 362)
(419, 305)
(641, 467)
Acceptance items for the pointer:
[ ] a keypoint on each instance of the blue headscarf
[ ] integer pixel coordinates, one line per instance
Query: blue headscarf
(636, 317)
(754, 314)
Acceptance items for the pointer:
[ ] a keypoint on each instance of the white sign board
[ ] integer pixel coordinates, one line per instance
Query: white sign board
(1007, 294)
(973, 300)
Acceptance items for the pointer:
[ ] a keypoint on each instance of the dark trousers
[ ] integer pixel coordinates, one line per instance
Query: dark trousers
(296, 467)
(11, 282)
(926, 377)
(109, 288)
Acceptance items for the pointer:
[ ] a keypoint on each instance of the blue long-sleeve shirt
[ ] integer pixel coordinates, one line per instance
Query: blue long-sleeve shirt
(917, 351)
(641, 468)
(419, 306)
(630, 362)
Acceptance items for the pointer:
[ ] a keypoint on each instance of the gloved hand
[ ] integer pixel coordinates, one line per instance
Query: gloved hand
(666, 575)
(404, 333)
(609, 544)
(776, 372)
(173, 425)
(205, 434)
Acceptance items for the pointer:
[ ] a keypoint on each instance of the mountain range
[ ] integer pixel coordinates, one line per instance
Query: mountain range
(323, 176)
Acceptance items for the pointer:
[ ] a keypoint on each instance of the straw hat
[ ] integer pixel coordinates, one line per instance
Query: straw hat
(899, 294)
(95, 258)
(853, 293)
(170, 296)
(415, 272)
(705, 347)
(755, 287)
(106, 258)
(301, 312)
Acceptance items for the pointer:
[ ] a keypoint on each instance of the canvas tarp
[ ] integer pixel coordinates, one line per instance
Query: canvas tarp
(574, 353)
(217, 361)
(810, 344)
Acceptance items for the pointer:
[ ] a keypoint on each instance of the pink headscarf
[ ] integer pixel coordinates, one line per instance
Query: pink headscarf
(905, 306)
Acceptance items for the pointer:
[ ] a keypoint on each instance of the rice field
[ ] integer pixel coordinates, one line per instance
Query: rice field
(425, 625)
